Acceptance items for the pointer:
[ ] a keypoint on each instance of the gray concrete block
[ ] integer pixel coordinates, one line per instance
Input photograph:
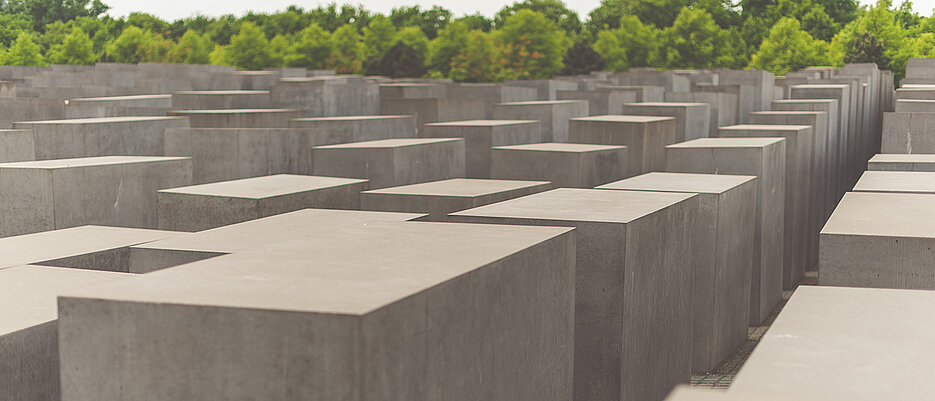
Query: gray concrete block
(908, 133)
(912, 182)
(238, 118)
(600, 101)
(109, 136)
(562, 164)
(764, 158)
(435, 110)
(687, 393)
(915, 106)
(30, 109)
(492, 94)
(691, 119)
(870, 243)
(844, 344)
(632, 285)
(345, 129)
(116, 106)
(17, 145)
(439, 198)
(644, 136)
(723, 257)
(798, 225)
(761, 84)
(846, 122)
(206, 206)
(553, 115)
(481, 135)
(406, 90)
(392, 162)
(29, 369)
(921, 93)
(643, 93)
(382, 315)
(216, 100)
(547, 88)
(722, 106)
(344, 95)
(901, 162)
(110, 190)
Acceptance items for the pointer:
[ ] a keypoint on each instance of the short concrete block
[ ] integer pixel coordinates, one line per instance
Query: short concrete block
(492, 94)
(915, 106)
(553, 114)
(600, 101)
(481, 135)
(439, 198)
(645, 137)
(359, 128)
(109, 136)
(911, 182)
(908, 133)
(692, 120)
(901, 162)
(115, 106)
(225, 99)
(435, 110)
(392, 162)
(17, 145)
(238, 118)
(563, 164)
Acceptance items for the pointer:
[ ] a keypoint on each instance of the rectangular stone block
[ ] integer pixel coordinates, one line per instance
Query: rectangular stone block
(17, 145)
(492, 94)
(832, 343)
(219, 100)
(643, 93)
(435, 110)
(764, 158)
(722, 106)
(645, 137)
(901, 162)
(797, 226)
(115, 106)
(238, 118)
(912, 182)
(328, 96)
(723, 257)
(411, 90)
(553, 115)
(880, 240)
(908, 133)
(29, 369)
(915, 106)
(439, 198)
(206, 206)
(562, 164)
(29, 109)
(632, 284)
(481, 135)
(109, 190)
(369, 312)
(109, 136)
(924, 93)
(359, 128)
(691, 119)
(547, 89)
(600, 101)
(392, 162)
(846, 121)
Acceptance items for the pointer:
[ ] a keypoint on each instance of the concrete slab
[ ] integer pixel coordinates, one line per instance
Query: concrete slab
(17, 145)
(643, 93)
(632, 285)
(392, 162)
(915, 106)
(435, 110)
(600, 101)
(439, 198)
(206, 206)
(723, 257)
(114, 106)
(908, 133)
(238, 118)
(901, 162)
(870, 243)
(644, 136)
(562, 164)
(108, 136)
(722, 106)
(359, 128)
(328, 96)
(911, 182)
(481, 135)
(492, 94)
(552, 114)
(692, 120)
(225, 99)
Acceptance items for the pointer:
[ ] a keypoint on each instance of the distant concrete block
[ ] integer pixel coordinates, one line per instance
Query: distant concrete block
(645, 137)
(108, 136)
(481, 135)
(642, 93)
(328, 96)
(547, 89)
(392, 162)
(910, 182)
(901, 162)
(394, 91)
(492, 94)
(908, 133)
(238, 118)
(117, 106)
(554, 115)
(562, 164)
(17, 146)
(224, 99)
(29, 109)
(692, 120)
(600, 101)
(722, 106)
(915, 105)
(439, 198)
(359, 128)
(435, 110)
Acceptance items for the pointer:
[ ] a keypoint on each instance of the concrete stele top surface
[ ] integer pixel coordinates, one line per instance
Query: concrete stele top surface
(261, 233)
(572, 204)
(902, 158)
(353, 271)
(615, 118)
(389, 143)
(765, 127)
(29, 294)
(264, 187)
(541, 102)
(896, 181)
(89, 161)
(786, 112)
(353, 118)
(482, 123)
(851, 344)
(58, 244)
(686, 393)
(103, 120)
(561, 147)
(916, 100)
(727, 143)
(459, 187)
(681, 182)
(797, 101)
(223, 92)
(820, 86)
(113, 98)
(666, 104)
(232, 111)
(883, 214)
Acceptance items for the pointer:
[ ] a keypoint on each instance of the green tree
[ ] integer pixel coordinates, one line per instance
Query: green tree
(695, 41)
(582, 59)
(77, 48)
(429, 21)
(349, 51)
(477, 62)
(555, 10)
(314, 48)
(877, 30)
(281, 52)
(191, 49)
(24, 52)
(249, 49)
(789, 48)
(451, 41)
(476, 22)
(131, 46)
(11, 25)
(147, 22)
(44, 12)
(414, 37)
(631, 45)
(531, 46)
(379, 36)
(658, 13)
(400, 61)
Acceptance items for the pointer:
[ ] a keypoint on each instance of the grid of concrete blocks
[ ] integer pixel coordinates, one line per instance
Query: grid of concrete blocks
(176, 232)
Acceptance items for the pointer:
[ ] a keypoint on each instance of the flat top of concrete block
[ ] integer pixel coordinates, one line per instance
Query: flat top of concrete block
(666, 104)
(482, 123)
(353, 118)
(30, 293)
(408, 84)
(902, 158)
(856, 344)
(264, 187)
(765, 127)
(686, 393)
(795, 101)
(103, 120)
(896, 181)
(89, 161)
(681, 182)
(57, 244)
(616, 118)
(927, 88)
(541, 102)
(883, 214)
(786, 112)
(915, 100)
(353, 271)
(921, 86)
(389, 143)
(727, 143)
(260, 233)
(561, 147)
(572, 204)
(233, 111)
(113, 98)
(256, 72)
(820, 86)
(223, 92)
(459, 187)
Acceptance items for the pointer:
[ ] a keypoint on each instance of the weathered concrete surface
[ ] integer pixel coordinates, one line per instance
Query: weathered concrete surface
(915, 105)
(722, 106)
(17, 145)
(691, 119)
(206, 206)
(563, 164)
(901, 162)
(359, 128)
(114, 106)
(645, 137)
(481, 135)
(435, 110)
(109, 136)
(216, 100)
(910, 182)
(765, 159)
(328, 96)
(880, 240)
(383, 315)
(723, 257)
(632, 286)
(553, 114)
(29, 109)
(439, 198)
(600, 101)
(492, 94)
(392, 162)
(908, 133)
(238, 118)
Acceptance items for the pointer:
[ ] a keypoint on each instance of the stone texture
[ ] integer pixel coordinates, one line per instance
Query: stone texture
(692, 120)
(481, 135)
(911, 182)
(908, 133)
(562, 164)
(644, 136)
(91, 137)
(238, 118)
(392, 162)
(553, 114)
(902, 162)
(359, 128)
